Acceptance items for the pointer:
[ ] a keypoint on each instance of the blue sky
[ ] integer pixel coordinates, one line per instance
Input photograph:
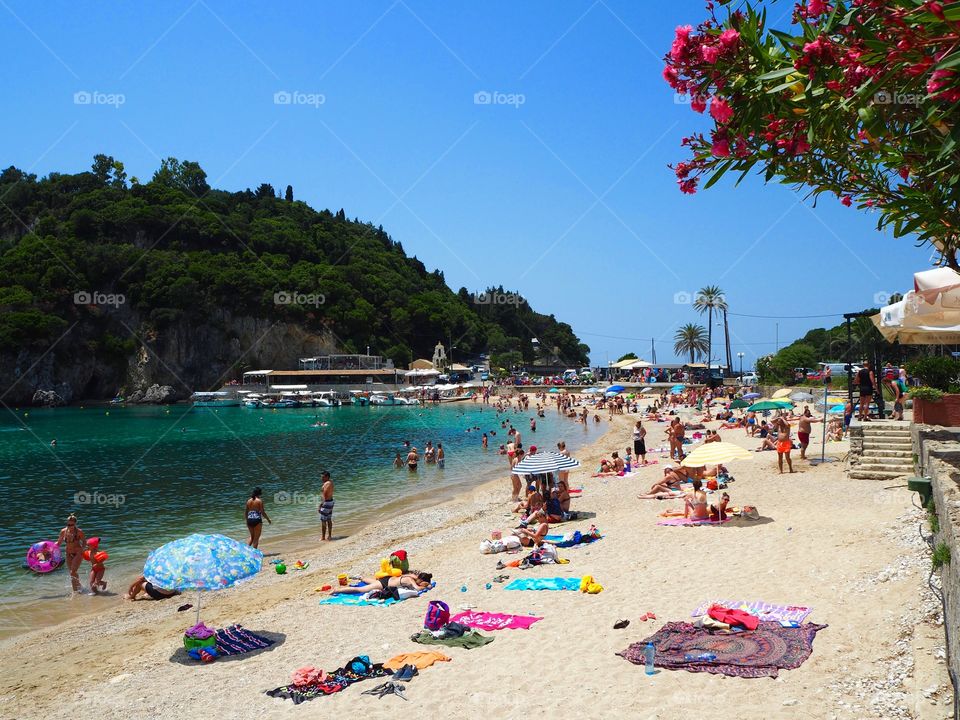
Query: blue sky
(557, 188)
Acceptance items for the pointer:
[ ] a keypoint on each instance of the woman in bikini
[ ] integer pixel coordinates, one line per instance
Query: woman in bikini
(695, 504)
(409, 581)
(74, 539)
(255, 516)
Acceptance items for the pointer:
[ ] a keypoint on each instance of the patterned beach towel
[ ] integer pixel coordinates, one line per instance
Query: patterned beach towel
(234, 640)
(556, 583)
(763, 610)
(758, 653)
(689, 521)
(495, 621)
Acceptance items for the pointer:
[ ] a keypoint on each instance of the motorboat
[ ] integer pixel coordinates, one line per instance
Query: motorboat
(220, 398)
(327, 398)
(253, 400)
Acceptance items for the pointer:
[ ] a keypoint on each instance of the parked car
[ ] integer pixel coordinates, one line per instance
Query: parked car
(749, 379)
(838, 370)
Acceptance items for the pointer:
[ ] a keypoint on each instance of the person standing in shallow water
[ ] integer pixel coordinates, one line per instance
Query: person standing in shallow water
(256, 514)
(73, 538)
(326, 507)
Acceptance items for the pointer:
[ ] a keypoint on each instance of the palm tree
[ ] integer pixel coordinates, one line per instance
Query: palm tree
(707, 299)
(690, 339)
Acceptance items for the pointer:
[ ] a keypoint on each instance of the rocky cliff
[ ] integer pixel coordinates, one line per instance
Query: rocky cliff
(184, 357)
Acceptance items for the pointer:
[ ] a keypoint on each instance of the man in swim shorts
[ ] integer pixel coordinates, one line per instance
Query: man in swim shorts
(784, 444)
(803, 432)
(326, 507)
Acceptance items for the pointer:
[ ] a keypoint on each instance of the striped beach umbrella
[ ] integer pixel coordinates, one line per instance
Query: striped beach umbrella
(715, 454)
(564, 462)
(536, 464)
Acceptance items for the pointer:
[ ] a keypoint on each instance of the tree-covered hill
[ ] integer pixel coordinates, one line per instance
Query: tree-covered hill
(100, 265)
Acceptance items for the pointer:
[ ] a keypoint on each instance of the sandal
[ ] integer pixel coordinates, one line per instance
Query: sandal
(620, 624)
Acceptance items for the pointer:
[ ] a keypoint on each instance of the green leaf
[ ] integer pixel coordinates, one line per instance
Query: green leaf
(718, 174)
(777, 74)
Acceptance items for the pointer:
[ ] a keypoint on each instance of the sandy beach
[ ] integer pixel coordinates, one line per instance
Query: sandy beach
(848, 548)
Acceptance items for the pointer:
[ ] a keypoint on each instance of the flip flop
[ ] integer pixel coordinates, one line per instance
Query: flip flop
(620, 624)
(184, 607)
(406, 673)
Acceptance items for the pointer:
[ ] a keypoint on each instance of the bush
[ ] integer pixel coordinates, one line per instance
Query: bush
(926, 393)
(936, 371)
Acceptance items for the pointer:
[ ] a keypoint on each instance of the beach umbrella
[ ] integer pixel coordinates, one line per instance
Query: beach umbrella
(537, 463)
(739, 403)
(553, 389)
(801, 396)
(615, 389)
(715, 454)
(781, 393)
(202, 562)
(564, 462)
(751, 396)
(836, 410)
(768, 405)
(677, 389)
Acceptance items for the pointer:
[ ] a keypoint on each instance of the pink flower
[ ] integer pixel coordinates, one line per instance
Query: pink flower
(729, 39)
(904, 172)
(817, 7)
(698, 103)
(721, 148)
(710, 53)
(721, 111)
(671, 76)
(688, 187)
(845, 201)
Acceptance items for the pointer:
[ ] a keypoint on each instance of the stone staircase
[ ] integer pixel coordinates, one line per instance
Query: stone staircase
(886, 452)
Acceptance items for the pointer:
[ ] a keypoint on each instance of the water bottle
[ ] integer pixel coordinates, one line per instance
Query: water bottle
(649, 652)
(463, 588)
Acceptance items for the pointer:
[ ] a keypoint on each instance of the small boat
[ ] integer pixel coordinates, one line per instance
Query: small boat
(253, 400)
(218, 399)
(360, 398)
(328, 398)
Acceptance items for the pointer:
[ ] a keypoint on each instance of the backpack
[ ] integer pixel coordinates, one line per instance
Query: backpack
(399, 560)
(438, 615)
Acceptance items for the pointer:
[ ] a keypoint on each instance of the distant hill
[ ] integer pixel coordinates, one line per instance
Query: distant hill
(107, 283)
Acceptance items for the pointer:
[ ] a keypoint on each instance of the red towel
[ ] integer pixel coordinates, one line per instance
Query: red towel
(733, 617)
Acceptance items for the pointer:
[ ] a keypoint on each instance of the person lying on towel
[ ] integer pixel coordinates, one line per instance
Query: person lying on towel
(409, 581)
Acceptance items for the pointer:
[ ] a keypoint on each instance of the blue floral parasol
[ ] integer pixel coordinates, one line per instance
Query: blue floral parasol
(202, 562)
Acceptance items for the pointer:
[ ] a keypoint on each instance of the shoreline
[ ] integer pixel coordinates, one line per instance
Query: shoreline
(298, 544)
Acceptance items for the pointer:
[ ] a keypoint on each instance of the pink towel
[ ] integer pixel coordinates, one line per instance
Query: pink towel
(495, 621)
(689, 521)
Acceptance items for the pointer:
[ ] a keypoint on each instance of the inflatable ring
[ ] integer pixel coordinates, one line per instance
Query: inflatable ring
(44, 556)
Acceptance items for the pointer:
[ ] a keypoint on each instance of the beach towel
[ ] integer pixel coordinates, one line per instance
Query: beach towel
(763, 610)
(354, 671)
(570, 540)
(555, 583)
(689, 521)
(361, 600)
(234, 640)
(760, 653)
(468, 641)
(420, 660)
(495, 621)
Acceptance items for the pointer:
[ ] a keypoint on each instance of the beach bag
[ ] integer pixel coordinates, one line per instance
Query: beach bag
(399, 560)
(749, 512)
(488, 547)
(438, 615)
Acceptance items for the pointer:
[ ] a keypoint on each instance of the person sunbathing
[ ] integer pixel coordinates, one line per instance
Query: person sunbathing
(535, 537)
(142, 585)
(408, 581)
(563, 495)
(695, 503)
(668, 486)
(769, 443)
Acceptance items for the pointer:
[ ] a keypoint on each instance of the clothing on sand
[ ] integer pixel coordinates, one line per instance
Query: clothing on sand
(469, 640)
(753, 654)
(361, 600)
(495, 621)
(333, 682)
(419, 659)
(733, 617)
(690, 521)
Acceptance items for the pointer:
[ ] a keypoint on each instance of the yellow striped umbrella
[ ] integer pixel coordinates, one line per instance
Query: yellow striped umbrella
(782, 393)
(716, 453)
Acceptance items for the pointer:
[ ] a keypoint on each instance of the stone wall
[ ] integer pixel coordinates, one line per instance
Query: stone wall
(939, 458)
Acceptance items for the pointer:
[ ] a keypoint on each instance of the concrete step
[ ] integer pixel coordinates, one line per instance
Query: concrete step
(877, 474)
(869, 431)
(887, 453)
(906, 468)
(875, 444)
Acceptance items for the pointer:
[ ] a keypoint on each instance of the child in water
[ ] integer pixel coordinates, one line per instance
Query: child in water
(98, 567)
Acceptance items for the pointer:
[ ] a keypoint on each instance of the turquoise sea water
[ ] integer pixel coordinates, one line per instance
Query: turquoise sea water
(140, 476)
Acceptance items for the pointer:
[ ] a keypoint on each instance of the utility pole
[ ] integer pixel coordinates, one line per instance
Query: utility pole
(778, 337)
(653, 352)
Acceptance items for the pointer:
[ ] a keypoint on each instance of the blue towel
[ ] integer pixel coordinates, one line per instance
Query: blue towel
(360, 600)
(544, 584)
(577, 539)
